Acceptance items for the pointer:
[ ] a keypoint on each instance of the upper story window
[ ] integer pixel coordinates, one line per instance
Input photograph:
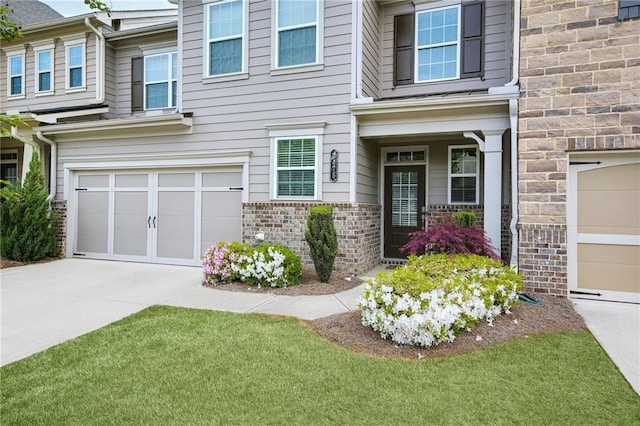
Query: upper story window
(464, 167)
(437, 50)
(439, 44)
(628, 9)
(15, 78)
(44, 80)
(75, 64)
(226, 49)
(160, 80)
(298, 32)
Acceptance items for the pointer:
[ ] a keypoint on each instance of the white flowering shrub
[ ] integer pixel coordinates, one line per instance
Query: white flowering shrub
(271, 265)
(433, 298)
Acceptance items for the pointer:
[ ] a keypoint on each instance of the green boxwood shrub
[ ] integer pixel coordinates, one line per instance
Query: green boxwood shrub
(322, 239)
(432, 298)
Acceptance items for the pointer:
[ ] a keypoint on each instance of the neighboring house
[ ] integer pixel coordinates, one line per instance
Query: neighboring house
(236, 118)
(579, 148)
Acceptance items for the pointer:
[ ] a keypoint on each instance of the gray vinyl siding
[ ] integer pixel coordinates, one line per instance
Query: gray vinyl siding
(496, 47)
(371, 48)
(367, 188)
(60, 98)
(234, 114)
(110, 80)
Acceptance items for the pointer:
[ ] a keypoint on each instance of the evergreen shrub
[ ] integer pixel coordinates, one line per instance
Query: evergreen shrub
(322, 239)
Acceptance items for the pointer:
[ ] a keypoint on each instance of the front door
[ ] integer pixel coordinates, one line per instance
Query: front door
(404, 200)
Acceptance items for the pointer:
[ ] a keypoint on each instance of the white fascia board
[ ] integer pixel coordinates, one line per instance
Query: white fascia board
(432, 103)
(86, 128)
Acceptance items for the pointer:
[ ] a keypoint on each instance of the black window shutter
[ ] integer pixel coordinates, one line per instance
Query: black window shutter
(403, 49)
(472, 49)
(628, 9)
(137, 84)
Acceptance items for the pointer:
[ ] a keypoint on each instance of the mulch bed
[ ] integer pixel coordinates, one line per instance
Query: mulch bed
(554, 315)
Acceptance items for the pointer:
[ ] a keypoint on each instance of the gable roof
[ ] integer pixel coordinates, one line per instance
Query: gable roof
(30, 12)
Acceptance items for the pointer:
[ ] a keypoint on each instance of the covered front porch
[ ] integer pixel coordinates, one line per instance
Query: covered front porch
(419, 158)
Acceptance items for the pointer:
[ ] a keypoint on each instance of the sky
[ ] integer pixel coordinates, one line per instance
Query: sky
(77, 7)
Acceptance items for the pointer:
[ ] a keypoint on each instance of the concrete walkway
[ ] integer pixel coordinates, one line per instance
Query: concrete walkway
(48, 303)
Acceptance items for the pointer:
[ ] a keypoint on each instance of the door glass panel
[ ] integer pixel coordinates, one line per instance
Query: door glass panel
(132, 181)
(176, 180)
(131, 223)
(93, 181)
(93, 222)
(404, 199)
(175, 224)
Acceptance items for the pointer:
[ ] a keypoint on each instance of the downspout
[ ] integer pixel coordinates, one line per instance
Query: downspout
(15, 135)
(53, 165)
(100, 62)
(513, 117)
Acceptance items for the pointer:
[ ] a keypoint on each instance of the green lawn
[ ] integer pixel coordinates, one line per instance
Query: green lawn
(182, 366)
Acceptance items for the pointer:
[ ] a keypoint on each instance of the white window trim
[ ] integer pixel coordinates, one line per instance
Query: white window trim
(244, 72)
(168, 81)
(451, 175)
(37, 49)
(69, 43)
(12, 161)
(298, 131)
(12, 54)
(275, 48)
(418, 47)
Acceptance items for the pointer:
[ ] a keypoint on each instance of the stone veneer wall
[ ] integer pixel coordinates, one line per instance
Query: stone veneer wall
(357, 226)
(60, 208)
(505, 232)
(580, 91)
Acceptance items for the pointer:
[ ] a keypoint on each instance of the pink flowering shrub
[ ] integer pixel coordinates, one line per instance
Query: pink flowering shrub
(220, 260)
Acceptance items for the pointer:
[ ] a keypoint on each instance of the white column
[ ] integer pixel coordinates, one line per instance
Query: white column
(493, 186)
(491, 146)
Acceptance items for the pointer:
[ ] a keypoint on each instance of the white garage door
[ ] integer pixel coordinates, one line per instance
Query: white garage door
(604, 227)
(156, 216)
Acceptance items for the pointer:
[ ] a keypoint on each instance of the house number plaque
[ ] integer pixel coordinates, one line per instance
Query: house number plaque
(333, 166)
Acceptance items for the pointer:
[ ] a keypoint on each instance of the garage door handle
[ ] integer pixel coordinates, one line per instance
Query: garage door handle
(149, 222)
(154, 222)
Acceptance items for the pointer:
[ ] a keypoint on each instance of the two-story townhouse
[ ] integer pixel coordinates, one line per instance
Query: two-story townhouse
(579, 148)
(233, 122)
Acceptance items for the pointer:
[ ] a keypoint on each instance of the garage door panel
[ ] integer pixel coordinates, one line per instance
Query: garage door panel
(93, 222)
(221, 217)
(175, 224)
(132, 180)
(224, 177)
(176, 180)
(93, 181)
(609, 267)
(131, 223)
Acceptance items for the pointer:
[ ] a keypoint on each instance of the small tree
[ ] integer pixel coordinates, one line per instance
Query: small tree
(322, 239)
(28, 227)
(452, 235)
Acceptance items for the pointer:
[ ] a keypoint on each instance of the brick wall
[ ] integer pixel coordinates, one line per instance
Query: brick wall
(357, 226)
(580, 90)
(60, 208)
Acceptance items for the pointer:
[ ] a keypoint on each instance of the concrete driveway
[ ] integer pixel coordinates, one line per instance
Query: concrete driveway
(47, 303)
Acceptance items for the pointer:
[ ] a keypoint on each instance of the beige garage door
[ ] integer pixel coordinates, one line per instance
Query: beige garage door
(167, 216)
(604, 240)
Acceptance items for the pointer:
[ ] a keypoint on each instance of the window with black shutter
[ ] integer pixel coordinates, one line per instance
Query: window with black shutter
(403, 52)
(433, 36)
(137, 84)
